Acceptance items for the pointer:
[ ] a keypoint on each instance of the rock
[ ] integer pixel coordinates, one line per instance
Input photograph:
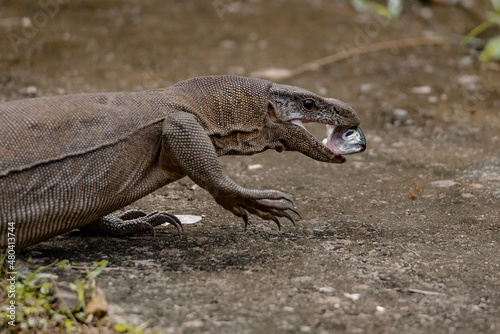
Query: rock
(326, 289)
(193, 324)
(443, 183)
(305, 329)
(333, 300)
(399, 113)
(421, 90)
(353, 296)
(366, 87)
(30, 90)
(255, 166)
(467, 79)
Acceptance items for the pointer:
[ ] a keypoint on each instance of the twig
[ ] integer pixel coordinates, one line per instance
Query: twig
(65, 305)
(424, 292)
(336, 57)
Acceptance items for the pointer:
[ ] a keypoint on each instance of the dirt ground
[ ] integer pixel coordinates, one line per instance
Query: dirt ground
(404, 237)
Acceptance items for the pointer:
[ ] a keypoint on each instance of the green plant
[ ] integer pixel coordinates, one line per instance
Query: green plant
(39, 305)
(391, 11)
(492, 48)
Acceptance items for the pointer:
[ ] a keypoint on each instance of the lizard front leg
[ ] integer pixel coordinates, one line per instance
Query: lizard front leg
(187, 145)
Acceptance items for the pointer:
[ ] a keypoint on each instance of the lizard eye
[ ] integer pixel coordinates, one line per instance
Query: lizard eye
(309, 104)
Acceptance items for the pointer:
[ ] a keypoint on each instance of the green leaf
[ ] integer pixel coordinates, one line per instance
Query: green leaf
(122, 328)
(360, 5)
(98, 267)
(493, 16)
(45, 288)
(391, 11)
(34, 274)
(68, 323)
(496, 5)
(476, 31)
(395, 7)
(81, 292)
(491, 51)
(62, 265)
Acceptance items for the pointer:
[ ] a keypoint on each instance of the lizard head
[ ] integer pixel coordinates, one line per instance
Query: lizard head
(290, 107)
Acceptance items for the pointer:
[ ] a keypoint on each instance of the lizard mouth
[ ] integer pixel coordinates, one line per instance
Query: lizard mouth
(340, 139)
(326, 142)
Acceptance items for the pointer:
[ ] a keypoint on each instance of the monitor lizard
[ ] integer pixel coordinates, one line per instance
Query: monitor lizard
(69, 161)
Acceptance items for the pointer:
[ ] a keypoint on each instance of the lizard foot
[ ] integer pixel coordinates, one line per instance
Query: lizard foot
(132, 222)
(268, 205)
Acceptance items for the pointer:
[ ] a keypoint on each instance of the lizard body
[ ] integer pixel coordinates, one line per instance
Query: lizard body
(68, 161)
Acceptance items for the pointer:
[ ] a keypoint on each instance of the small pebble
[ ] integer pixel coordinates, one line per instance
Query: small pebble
(255, 166)
(193, 324)
(421, 90)
(353, 296)
(443, 183)
(400, 113)
(366, 87)
(326, 289)
(305, 329)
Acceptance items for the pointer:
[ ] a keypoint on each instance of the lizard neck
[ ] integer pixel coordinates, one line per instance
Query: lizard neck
(266, 135)
(234, 111)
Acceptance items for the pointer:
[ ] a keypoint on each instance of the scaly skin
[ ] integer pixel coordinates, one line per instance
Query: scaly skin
(68, 161)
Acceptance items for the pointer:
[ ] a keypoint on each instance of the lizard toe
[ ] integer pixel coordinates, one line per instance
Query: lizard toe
(291, 208)
(117, 226)
(158, 218)
(240, 212)
(150, 229)
(287, 216)
(266, 204)
(269, 216)
(273, 195)
(131, 214)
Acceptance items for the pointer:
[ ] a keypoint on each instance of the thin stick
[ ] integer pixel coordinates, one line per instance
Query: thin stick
(380, 46)
(424, 292)
(65, 305)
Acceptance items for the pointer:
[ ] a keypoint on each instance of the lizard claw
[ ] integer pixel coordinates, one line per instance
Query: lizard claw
(240, 212)
(287, 216)
(245, 218)
(150, 229)
(268, 205)
(295, 211)
(156, 218)
(286, 197)
(276, 220)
